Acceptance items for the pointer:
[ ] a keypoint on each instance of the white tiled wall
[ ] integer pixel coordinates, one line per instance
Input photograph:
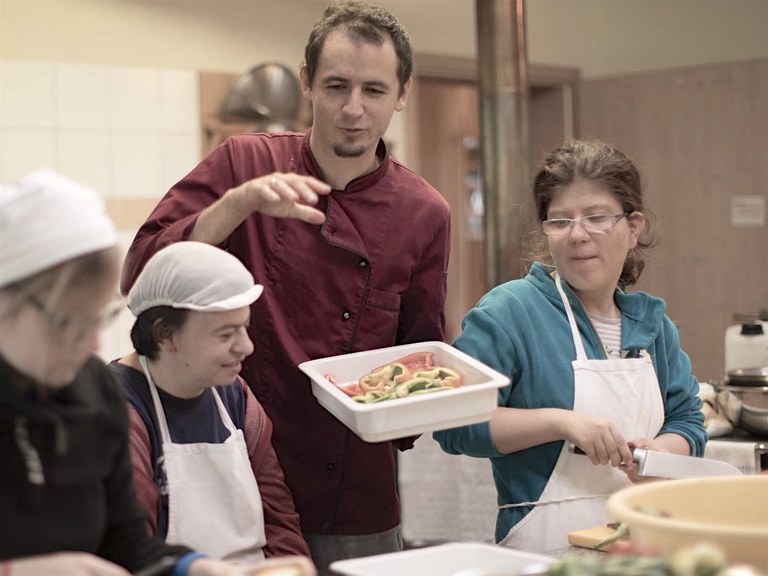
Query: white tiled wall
(115, 340)
(124, 131)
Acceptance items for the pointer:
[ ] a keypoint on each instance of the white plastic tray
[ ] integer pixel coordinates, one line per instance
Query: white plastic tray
(472, 402)
(443, 560)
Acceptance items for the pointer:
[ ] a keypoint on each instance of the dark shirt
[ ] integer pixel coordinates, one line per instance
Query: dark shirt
(190, 421)
(373, 275)
(81, 496)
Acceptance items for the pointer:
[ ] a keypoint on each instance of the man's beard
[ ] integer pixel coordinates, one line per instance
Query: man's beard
(343, 152)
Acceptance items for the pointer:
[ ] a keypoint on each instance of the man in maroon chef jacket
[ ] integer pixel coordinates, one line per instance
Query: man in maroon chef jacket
(352, 248)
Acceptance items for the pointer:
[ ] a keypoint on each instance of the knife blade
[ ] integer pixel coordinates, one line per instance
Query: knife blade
(666, 465)
(655, 464)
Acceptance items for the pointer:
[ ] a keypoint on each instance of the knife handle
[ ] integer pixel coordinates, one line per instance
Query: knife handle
(638, 454)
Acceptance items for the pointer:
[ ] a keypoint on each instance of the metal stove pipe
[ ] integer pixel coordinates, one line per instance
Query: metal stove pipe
(503, 97)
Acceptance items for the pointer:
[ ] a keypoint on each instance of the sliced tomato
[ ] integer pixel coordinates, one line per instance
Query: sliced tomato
(418, 361)
(630, 547)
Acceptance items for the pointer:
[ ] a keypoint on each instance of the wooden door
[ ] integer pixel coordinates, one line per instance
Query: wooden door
(450, 161)
(447, 155)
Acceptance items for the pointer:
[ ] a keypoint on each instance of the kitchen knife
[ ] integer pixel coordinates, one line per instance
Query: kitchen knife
(652, 463)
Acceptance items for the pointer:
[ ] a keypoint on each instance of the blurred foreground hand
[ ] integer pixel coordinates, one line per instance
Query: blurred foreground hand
(204, 566)
(287, 566)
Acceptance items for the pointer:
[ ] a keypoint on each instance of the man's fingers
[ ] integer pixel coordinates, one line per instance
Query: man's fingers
(307, 188)
(306, 213)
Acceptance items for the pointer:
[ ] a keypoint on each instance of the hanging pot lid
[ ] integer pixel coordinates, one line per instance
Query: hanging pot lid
(268, 91)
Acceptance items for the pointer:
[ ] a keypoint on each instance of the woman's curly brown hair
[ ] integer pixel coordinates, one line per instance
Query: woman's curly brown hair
(601, 163)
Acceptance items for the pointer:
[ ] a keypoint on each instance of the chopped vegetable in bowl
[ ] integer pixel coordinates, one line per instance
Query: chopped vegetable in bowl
(702, 559)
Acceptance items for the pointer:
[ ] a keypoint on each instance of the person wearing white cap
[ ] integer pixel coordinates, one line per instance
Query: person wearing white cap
(67, 500)
(204, 466)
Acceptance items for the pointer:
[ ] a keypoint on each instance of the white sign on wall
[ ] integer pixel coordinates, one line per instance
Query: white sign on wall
(748, 211)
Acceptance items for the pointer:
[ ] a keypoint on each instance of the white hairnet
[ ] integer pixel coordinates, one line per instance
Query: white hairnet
(193, 276)
(47, 219)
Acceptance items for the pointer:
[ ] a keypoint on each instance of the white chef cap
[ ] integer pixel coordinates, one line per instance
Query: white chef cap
(193, 276)
(47, 219)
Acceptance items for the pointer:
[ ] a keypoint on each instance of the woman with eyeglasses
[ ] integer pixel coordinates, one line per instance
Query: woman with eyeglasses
(595, 370)
(67, 500)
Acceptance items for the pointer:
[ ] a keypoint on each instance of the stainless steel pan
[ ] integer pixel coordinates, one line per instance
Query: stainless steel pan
(750, 386)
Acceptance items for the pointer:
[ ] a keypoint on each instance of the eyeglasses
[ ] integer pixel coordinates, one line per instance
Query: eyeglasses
(79, 328)
(594, 223)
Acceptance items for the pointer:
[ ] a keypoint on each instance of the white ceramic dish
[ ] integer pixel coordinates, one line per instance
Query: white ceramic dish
(443, 560)
(472, 402)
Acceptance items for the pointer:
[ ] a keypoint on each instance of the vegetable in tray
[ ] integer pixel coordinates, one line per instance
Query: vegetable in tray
(412, 375)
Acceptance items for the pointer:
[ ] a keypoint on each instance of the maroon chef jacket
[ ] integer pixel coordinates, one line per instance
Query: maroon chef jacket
(373, 275)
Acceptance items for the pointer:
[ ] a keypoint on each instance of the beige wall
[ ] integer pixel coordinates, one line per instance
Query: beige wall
(616, 36)
(699, 136)
(598, 36)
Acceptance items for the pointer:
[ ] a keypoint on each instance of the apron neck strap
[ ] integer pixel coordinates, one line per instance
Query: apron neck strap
(160, 413)
(161, 419)
(581, 353)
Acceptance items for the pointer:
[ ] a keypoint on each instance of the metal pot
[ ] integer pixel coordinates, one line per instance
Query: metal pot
(750, 386)
(749, 376)
(754, 420)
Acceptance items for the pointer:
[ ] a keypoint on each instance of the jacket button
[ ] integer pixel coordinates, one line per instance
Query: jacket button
(330, 466)
(363, 263)
(346, 315)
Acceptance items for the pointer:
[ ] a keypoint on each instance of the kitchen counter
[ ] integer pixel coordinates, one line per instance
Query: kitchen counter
(748, 453)
(575, 551)
(565, 550)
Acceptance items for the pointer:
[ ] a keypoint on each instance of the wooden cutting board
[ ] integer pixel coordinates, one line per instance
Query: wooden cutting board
(590, 537)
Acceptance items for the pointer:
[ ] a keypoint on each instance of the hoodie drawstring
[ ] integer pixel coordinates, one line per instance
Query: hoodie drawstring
(29, 453)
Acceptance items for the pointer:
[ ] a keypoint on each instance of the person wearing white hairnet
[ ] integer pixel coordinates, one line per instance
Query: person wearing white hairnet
(353, 247)
(201, 443)
(67, 500)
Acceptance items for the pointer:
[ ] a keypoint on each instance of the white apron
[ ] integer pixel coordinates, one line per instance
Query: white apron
(625, 391)
(214, 504)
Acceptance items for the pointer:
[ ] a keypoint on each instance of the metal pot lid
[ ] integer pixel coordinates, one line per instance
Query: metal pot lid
(268, 91)
(757, 376)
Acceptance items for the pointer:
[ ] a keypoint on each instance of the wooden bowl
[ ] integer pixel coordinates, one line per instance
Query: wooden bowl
(730, 512)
